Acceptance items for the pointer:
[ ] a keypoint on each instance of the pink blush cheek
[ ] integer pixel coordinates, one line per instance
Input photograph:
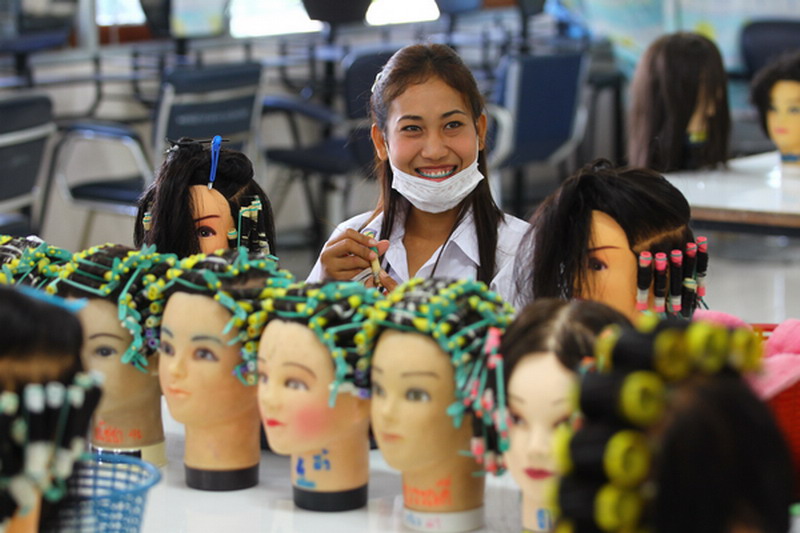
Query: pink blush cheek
(313, 420)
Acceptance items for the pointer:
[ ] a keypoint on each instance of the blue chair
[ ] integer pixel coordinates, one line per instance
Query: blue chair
(761, 41)
(347, 153)
(545, 96)
(25, 132)
(193, 102)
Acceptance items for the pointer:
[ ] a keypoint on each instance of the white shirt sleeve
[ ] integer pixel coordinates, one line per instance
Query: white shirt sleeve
(318, 272)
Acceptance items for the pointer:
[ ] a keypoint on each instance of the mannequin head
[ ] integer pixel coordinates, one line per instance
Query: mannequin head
(41, 381)
(543, 349)
(679, 116)
(29, 260)
(313, 390)
(694, 451)
(119, 338)
(180, 214)
(776, 93)
(433, 357)
(590, 231)
(207, 365)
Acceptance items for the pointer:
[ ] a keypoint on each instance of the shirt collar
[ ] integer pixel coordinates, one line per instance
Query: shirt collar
(465, 237)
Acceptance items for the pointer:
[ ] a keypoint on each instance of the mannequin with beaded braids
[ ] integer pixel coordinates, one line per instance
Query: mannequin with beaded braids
(435, 344)
(207, 361)
(314, 392)
(180, 214)
(543, 349)
(586, 238)
(119, 332)
(672, 438)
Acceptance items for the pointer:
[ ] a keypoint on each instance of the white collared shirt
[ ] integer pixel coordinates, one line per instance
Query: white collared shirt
(459, 258)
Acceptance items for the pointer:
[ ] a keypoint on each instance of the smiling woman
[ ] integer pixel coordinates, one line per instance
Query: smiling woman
(434, 355)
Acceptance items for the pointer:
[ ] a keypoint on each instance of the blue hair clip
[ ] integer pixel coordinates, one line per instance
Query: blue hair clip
(72, 306)
(216, 143)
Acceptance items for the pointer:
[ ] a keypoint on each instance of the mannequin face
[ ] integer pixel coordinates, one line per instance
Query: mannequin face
(295, 371)
(430, 131)
(412, 386)
(538, 402)
(212, 218)
(783, 116)
(612, 269)
(105, 340)
(197, 363)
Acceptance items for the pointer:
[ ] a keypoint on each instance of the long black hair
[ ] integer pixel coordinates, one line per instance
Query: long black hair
(416, 64)
(168, 200)
(678, 73)
(553, 258)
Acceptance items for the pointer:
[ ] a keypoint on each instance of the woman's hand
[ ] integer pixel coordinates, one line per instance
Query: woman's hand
(348, 254)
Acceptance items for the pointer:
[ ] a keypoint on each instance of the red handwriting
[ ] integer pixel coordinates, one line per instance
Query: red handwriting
(107, 433)
(438, 496)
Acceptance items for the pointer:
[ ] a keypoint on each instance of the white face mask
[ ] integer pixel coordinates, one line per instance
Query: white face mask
(436, 196)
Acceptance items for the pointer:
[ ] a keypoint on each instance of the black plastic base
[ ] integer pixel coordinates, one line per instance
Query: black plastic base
(221, 480)
(329, 502)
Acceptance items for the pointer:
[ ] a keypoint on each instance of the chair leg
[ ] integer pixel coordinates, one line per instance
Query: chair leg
(88, 224)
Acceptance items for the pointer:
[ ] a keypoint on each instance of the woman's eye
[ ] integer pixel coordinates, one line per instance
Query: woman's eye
(596, 264)
(205, 232)
(202, 354)
(453, 125)
(377, 390)
(417, 395)
(166, 348)
(295, 384)
(411, 128)
(104, 351)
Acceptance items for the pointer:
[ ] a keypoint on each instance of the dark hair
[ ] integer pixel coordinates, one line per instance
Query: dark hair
(416, 64)
(39, 341)
(567, 329)
(653, 213)
(722, 461)
(678, 73)
(785, 67)
(169, 202)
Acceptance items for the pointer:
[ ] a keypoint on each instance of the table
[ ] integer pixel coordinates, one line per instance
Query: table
(753, 194)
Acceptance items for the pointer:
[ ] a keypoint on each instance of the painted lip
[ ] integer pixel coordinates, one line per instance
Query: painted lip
(180, 393)
(434, 173)
(538, 473)
(390, 437)
(780, 131)
(271, 423)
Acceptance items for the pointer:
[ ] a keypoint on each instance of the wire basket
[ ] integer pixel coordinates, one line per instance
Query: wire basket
(106, 494)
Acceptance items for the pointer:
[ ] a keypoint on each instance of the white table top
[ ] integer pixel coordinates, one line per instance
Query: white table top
(751, 190)
(268, 507)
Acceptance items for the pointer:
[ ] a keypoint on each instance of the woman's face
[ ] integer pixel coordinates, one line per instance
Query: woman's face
(197, 363)
(295, 372)
(538, 401)
(430, 131)
(105, 340)
(783, 116)
(212, 218)
(612, 268)
(412, 386)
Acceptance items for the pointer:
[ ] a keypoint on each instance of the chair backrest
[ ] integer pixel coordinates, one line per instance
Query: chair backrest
(25, 130)
(200, 102)
(349, 12)
(458, 7)
(156, 13)
(361, 68)
(761, 41)
(544, 95)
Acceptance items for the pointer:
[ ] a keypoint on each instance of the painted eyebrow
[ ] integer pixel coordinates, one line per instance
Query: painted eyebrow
(377, 369)
(207, 338)
(205, 217)
(167, 331)
(96, 335)
(421, 374)
(303, 367)
(604, 248)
